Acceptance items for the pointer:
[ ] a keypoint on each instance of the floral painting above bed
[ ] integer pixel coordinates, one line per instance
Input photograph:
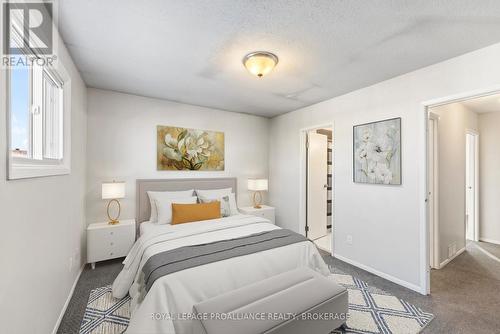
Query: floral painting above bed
(189, 149)
(377, 152)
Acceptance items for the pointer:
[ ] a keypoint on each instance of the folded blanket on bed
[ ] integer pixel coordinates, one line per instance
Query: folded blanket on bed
(178, 259)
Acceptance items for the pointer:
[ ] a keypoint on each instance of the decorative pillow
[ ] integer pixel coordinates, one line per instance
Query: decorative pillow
(214, 193)
(164, 208)
(187, 213)
(217, 194)
(162, 195)
(227, 204)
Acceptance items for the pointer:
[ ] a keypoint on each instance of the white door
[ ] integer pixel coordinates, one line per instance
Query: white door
(470, 186)
(317, 184)
(432, 171)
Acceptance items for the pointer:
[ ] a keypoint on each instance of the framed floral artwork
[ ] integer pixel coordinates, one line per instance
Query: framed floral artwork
(377, 152)
(189, 149)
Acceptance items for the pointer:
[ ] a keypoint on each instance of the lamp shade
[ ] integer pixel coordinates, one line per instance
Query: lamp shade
(113, 190)
(257, 184)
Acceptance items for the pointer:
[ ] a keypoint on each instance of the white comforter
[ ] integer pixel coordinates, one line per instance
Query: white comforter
(166, 307)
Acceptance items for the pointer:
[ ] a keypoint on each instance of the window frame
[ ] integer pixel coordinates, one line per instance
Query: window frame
(27, 167)
(57, 117)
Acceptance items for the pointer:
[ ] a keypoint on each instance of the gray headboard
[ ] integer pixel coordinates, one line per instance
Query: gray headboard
(143, 209)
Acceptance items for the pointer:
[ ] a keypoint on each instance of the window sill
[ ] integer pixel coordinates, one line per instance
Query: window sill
(25, 171)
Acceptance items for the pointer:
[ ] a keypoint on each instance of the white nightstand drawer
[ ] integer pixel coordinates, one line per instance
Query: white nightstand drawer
(103, 247)
(101, 252)
(106, 242)
(264, 212)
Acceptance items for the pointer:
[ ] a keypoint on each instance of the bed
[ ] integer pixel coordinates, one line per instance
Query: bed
(166, 306)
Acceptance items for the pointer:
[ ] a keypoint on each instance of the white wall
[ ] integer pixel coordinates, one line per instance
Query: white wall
(489, 177)
(454, 120)
(384, 221)
(122, 144)
(43, 222)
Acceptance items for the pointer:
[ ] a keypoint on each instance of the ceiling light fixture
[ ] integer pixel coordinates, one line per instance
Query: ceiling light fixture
(260, 63)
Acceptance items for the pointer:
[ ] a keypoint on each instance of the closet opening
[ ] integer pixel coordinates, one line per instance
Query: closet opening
(319, 187)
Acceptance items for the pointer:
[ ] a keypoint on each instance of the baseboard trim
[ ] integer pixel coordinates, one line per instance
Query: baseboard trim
(491, 241)
(445, 262)
(61, 315)
(386, 276)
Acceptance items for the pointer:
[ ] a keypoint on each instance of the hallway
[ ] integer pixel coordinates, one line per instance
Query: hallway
(466, 291)
(465, 295)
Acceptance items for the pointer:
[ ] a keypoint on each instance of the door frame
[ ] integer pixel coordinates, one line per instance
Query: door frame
(434, 191)
(476, 183)
(303, 175)
(425, 276)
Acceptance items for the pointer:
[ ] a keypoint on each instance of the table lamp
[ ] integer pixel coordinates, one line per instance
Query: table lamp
(113, 191)
(257, 185)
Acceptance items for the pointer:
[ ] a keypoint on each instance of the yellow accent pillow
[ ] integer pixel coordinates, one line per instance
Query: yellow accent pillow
(187, 213)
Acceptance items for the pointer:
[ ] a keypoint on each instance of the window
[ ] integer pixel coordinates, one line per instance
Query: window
(39, 139)
(19, 110)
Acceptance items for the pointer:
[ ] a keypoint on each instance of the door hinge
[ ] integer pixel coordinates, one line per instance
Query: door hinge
(307, 228)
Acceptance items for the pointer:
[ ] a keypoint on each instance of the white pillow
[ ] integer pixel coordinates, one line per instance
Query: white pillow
(163, 195)
(164, 208)
(227, 204)
(214, 193)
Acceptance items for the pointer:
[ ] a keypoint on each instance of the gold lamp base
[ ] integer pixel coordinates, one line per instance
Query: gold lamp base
(114, 220)
(257, 202)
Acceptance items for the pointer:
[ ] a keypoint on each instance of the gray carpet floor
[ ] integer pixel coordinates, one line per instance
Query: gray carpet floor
(104, 274)
(464, 296)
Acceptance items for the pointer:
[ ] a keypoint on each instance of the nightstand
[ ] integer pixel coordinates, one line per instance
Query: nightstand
(265, 211)
(105, 241)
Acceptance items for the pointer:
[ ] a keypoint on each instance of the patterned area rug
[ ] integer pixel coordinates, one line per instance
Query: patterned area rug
(104, 313)
(371, 310)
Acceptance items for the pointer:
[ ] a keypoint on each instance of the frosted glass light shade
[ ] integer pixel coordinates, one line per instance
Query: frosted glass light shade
(260, 63)
(113, 190)
(257, 184)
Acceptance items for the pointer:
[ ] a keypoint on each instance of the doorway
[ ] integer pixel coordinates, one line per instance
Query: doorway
(319, 187)
(461, 168)
(451, 175)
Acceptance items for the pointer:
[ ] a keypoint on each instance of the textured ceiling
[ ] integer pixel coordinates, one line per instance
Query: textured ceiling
(191, 51)
(489, 103)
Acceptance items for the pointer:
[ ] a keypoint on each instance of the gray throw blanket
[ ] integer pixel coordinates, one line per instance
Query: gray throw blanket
(181, 258)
